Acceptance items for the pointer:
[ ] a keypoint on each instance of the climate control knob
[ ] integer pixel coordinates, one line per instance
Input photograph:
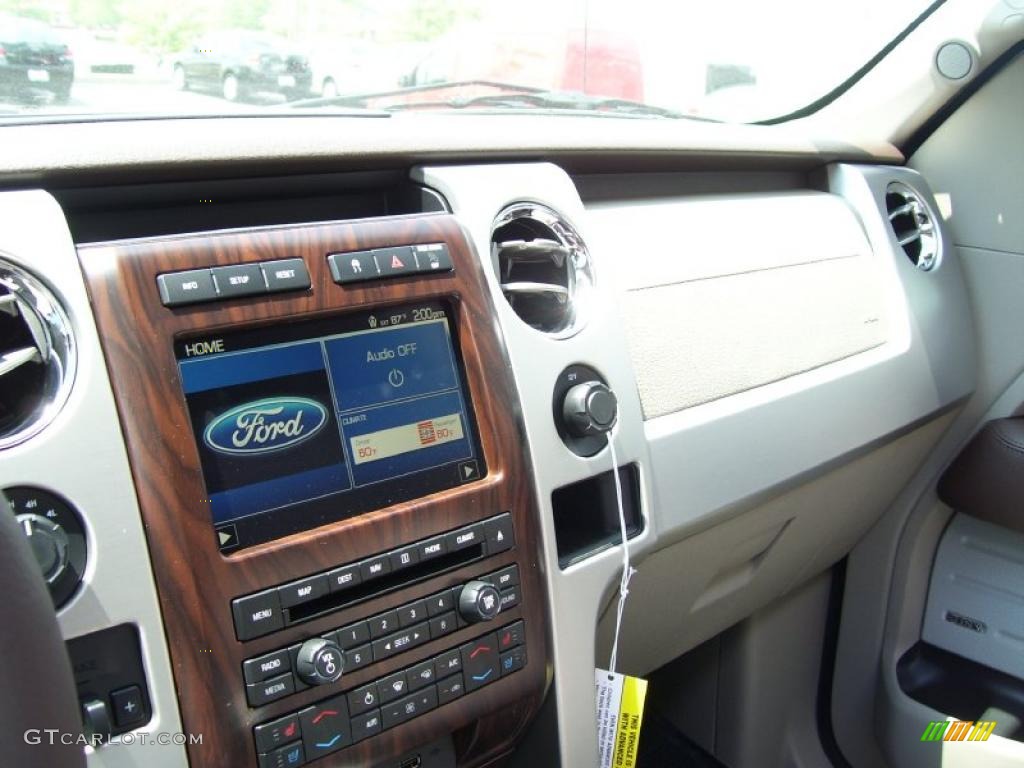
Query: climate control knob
(319, 661)
(479, 601)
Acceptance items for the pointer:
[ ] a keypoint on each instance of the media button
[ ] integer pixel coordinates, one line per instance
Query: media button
(395, 262)
(353, 267)
(270, 690)
(239, 280)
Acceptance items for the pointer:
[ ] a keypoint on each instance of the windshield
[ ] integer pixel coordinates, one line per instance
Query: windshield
(741, 61)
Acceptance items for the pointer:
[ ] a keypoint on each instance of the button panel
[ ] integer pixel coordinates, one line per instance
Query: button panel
(269, 676)
(350, 717)
(270, 610)
(232, 281)
(382, 263)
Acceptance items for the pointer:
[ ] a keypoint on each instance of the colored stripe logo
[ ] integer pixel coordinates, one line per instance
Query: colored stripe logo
(958, 730)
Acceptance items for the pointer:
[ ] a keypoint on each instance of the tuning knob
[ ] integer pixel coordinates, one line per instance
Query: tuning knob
(479, 601)
(319, 661)
(49, 543)
(589, 409)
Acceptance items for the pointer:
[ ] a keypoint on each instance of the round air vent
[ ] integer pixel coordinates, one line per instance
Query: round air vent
(37, 355)
(543, 267)
(913, 224)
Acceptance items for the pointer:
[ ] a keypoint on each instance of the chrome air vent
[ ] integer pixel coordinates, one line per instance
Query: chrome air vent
(543, 267)
(37, 355)
(913, 225)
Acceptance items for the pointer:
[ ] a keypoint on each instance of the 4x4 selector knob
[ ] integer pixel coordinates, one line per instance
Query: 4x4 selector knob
(49, 544)
(589, 409)
(319, 661)
(479, 601)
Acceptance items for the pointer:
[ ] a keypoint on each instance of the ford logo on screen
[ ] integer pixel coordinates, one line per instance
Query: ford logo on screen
(266, 425)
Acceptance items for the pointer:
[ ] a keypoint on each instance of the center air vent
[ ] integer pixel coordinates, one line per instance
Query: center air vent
(37, 355)
(543, 267)
(913, 224)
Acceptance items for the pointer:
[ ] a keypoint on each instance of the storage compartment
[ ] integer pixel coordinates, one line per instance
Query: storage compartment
(587, 514)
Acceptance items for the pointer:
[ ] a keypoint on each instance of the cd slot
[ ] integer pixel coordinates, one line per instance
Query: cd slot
(389, 583)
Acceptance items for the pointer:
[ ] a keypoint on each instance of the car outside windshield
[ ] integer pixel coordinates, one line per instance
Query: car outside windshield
(741, 61)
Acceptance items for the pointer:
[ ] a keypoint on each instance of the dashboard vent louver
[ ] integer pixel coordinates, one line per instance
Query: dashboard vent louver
(913, 225)
(37, 355)
(543, 267)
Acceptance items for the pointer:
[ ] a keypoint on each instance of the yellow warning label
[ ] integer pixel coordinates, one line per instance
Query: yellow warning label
(620, 714)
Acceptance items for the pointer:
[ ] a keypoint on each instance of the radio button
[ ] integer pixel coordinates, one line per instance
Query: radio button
(257, 615)
(268, 665)
(357, 658)
(383, 624)
(270, 690)
(179, 288)
(395, 262)
(302, 591)
(440, 603)
(353, 267)
(353, 635)
(286, 275)
(239, 280)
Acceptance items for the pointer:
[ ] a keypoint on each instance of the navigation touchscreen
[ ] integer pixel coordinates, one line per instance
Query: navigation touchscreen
(308, 423)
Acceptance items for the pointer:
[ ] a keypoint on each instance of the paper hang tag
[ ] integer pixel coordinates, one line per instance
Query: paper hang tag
(620, 713)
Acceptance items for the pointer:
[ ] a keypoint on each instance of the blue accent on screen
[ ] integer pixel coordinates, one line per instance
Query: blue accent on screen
(259, 497)
(203, 373)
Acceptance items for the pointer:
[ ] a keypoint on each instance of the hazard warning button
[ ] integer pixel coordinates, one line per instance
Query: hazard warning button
(394, 262)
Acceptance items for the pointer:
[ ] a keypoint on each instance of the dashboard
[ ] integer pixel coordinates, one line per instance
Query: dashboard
(349, 494)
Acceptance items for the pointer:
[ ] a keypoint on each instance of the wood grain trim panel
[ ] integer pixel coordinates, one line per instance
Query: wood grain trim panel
(196, 582)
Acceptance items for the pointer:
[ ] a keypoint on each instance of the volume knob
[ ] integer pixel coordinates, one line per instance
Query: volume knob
(479, 601)
(319, 661)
